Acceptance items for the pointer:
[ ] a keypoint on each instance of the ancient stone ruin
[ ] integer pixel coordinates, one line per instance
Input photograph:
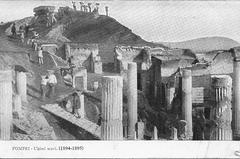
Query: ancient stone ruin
(44, 16)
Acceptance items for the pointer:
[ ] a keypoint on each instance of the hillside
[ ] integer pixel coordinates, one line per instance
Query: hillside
(204, 44)
(105, 31)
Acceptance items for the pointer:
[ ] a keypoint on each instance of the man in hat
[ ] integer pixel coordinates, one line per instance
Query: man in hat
(76, 105)
(13, 29)
(44, 82)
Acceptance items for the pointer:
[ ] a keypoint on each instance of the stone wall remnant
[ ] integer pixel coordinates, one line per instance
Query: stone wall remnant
(5, 104)
(44, 15)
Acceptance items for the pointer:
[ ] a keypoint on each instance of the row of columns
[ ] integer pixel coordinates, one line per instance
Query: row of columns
(112, 106)
(220, 112)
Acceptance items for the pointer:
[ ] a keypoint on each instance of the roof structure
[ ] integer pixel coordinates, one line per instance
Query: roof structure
(128, 53)
(91, 46)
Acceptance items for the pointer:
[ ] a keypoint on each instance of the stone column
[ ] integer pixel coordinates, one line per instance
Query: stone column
(155, 133)
(222, 113)
(21, 81)
(112, 98)
(82, 110)
(236, 93)
(5, 104)
(17, 104)
(187, 101)
(132, 99)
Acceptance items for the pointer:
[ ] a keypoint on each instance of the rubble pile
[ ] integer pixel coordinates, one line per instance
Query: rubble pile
(33, 126)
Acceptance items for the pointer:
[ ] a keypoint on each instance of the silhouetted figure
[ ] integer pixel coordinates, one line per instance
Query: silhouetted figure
(199, 127)
(106, 9)
(89, 7)
(97, 6)
(26, 29)
(40, 56)
(13, 29)
(44, 82)
(76, 105)
(99, 122)
(85, 8)
(81, 6)
(74, 5)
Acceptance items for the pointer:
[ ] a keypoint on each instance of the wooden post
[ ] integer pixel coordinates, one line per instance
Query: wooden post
(5, 104)
(112, 128)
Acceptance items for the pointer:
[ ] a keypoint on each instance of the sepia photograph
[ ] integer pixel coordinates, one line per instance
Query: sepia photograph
(164, 71)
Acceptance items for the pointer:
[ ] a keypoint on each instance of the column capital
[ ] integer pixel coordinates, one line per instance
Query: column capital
(186, 73)
(6, 75)
(221, 81)
(235, 53)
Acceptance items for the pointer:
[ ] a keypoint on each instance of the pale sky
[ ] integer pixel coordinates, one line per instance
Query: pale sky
(159, 21)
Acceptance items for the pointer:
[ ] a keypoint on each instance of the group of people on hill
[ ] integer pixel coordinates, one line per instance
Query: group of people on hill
(88, 7)
(22, 32)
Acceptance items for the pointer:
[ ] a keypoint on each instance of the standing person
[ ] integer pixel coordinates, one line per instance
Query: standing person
(44, 82)
(99, 122)
(106, 9)
(199, 126)
(51, 84)
(40, 56)
(147, 130)
(74, 5)
(76, 105)
(13, 29)
(26, 29)
(21, 30)
(35, 45)
(125, 122)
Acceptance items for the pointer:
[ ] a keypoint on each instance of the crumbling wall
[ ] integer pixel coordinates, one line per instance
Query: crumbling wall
(82, 54)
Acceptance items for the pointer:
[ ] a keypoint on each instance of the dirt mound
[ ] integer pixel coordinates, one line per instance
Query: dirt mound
(34, 126)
